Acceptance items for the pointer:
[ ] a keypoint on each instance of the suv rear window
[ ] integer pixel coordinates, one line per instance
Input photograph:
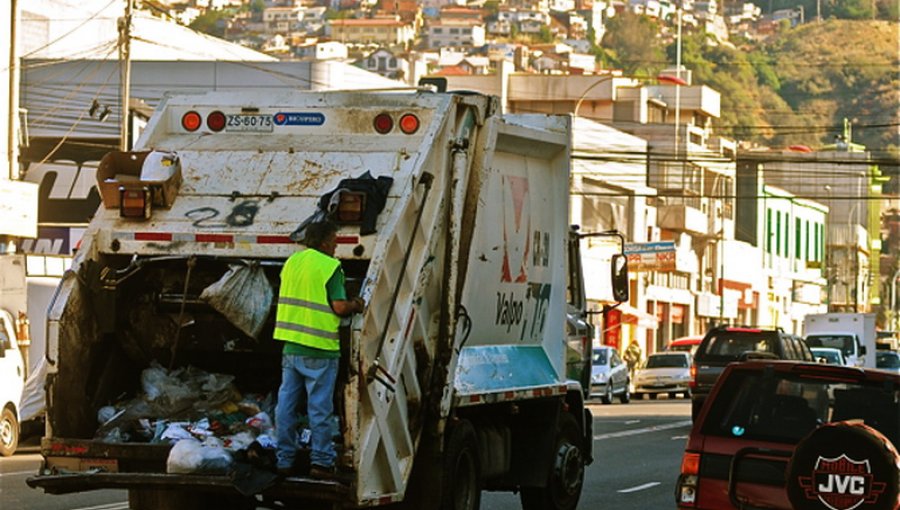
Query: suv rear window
(783, 408)
(729, 345)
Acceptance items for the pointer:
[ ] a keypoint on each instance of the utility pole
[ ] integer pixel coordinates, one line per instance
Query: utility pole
(125, 74)
(12, 140)
(678, 87)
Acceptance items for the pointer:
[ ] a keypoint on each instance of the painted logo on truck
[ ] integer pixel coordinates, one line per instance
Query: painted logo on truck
(841, 483)
(516, 230)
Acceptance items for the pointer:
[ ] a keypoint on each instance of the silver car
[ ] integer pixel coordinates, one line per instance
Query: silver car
(664, 372)
(609, 375)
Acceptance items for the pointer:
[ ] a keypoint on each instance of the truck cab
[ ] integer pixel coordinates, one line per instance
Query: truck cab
(849, 344)
(12, 380)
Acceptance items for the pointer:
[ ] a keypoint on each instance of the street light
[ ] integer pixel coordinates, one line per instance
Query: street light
(676, 80)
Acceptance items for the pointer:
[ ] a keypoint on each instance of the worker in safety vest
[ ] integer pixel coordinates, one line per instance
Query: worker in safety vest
(311, 302)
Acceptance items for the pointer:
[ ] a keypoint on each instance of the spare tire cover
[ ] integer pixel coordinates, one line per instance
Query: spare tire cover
(844, 466)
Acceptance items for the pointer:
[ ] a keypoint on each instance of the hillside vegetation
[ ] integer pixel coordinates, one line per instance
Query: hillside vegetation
(798, 86)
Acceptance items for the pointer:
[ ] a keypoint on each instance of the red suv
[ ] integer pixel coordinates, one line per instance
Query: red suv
(794, 435)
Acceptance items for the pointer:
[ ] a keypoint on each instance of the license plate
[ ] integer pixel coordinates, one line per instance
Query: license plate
(249, 123)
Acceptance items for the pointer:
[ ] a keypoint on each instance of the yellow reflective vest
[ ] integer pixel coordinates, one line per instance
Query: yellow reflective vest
(304, 315)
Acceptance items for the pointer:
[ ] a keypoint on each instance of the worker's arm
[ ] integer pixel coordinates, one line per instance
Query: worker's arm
(347, 307)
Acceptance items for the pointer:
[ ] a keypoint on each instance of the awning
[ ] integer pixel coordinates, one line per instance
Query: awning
(632, 315)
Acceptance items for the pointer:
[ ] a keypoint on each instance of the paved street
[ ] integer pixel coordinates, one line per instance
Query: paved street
(637, 447)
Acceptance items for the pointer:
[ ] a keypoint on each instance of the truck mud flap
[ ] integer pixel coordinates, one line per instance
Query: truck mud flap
(293, 488)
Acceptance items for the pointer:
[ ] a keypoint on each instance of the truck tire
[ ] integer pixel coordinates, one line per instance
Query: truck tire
(151, 499)
(460, 479)
(566, 479)
(9, 433)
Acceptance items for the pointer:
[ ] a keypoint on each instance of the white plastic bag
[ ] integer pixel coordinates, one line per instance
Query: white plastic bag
(192, 456)
(243, 295)
(185, 457)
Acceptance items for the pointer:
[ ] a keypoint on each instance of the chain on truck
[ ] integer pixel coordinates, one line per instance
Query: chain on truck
(467, 370)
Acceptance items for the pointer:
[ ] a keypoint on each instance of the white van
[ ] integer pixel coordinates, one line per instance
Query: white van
(12, 380)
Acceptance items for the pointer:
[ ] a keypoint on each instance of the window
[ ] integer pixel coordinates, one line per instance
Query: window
(787, 237)
(438, 30)
(393, 61)
(768, 231)
(371, 62)
(382, 62)
(454, 31)
(798, 237)
(467, 31)
(821, 241)
(777, 232)
(807, 240)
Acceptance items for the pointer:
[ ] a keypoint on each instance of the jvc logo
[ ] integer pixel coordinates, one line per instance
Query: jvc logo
(841, 484)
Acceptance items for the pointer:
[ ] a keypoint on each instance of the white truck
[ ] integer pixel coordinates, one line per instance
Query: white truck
(12, 364)
(467, 370)
(852, 333)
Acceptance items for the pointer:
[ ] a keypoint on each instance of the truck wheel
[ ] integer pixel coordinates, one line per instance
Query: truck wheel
(9, 433)
(566, 480)
(460, 478)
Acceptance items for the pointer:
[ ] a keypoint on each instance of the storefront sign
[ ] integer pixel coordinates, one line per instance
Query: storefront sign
(656, 256)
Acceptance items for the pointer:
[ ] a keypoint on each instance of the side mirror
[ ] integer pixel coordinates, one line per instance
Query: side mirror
(862, 350)
(619, 278)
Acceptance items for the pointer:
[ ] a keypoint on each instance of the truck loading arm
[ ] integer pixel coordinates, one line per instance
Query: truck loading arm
(416, 331)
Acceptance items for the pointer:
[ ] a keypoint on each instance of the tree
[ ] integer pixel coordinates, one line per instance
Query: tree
(633, 40)
(210, 22)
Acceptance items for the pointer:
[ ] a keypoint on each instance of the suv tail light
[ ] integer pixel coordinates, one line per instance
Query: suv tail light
(693, 383)
(686, 489)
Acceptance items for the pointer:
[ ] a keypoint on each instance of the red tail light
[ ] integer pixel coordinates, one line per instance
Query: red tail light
(134, 203)
(215, 121)
(690, 464)
(688, 481)
(693, 383)
(191, 121)
(409, 123)
(383, 123)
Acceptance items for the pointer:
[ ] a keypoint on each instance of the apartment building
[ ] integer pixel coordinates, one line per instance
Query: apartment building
(455, 33)
(383, 31)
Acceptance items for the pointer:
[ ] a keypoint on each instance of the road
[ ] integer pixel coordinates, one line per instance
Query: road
(637, 450)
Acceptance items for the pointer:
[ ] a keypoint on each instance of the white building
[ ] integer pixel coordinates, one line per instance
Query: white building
(455, 33)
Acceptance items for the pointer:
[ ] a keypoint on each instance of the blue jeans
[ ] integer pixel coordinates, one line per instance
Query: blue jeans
(312, 380)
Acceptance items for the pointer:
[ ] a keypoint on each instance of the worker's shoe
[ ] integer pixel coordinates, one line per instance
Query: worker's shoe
(322, 472)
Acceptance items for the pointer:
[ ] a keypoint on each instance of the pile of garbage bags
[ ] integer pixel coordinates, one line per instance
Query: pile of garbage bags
(202, 414)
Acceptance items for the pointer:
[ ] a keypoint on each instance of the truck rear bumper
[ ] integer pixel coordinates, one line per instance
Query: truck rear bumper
(299, 488)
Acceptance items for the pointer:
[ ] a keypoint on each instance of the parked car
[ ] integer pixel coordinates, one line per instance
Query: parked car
(726, 344)
(829, 355)
(609, 375)
(769, 437)
(685, 344)
(664, 372)
(888, 360)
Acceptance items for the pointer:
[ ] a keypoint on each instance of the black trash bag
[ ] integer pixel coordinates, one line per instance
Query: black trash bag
(376, 190)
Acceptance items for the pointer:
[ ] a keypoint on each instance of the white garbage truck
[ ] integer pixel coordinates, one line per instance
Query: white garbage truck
(466, 371)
